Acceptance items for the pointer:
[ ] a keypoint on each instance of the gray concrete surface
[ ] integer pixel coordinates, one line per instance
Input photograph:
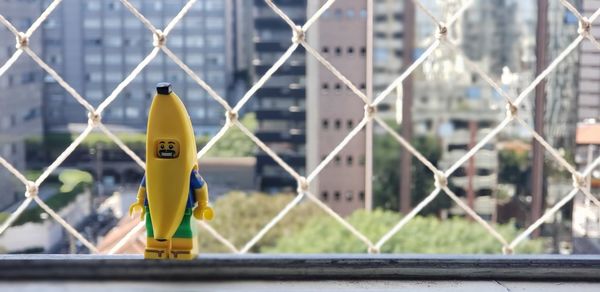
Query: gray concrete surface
(297, 286)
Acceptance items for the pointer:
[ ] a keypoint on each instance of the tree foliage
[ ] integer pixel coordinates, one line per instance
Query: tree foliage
(240, 216)
(421, 235)
(386, 184)
(235, 143)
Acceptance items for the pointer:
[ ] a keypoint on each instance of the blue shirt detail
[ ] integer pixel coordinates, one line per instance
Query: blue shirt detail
(196, 182)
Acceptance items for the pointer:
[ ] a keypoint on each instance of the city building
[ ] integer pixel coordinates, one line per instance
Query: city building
(95, 44)
(281, 103)
(586, 214)
(388, 49)
(562, 85)
(588, 104)
(334, 110)
(491, 29)
(20, 96)
(460, 114)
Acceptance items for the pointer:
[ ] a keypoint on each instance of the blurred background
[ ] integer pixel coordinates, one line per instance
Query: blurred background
(303, 112)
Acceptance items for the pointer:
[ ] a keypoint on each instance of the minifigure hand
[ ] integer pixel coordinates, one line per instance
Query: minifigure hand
(205, 213)
(134, 209)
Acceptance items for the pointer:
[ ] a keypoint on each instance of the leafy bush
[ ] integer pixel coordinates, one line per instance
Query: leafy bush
(421, 235)
(239, 216)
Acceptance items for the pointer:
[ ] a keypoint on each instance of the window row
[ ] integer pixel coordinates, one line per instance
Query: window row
(387, 17)
(349, 161)
(337, 196)
(339, 14)
(336, 124)
(338, 51)
(338, 86)
(23, 78)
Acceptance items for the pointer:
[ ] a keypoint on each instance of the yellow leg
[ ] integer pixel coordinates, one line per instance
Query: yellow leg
(183, 249)
(157, 249)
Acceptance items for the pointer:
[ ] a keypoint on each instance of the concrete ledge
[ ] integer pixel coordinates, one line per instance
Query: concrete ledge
(222, 267)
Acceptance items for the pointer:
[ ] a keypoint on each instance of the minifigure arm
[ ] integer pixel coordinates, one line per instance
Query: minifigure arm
(202, 211)
(141, 197)
(201, 196)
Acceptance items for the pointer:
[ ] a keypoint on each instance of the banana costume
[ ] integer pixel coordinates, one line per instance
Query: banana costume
(172, 190)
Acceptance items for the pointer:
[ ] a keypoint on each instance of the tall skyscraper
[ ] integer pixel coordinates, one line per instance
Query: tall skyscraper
(20, 96)
(281, 103)
(95, 44)
(334, 110)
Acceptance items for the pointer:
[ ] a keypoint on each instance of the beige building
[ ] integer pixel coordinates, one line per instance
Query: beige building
(333, 110)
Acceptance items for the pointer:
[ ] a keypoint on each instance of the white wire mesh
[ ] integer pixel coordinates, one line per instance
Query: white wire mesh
(231, 113)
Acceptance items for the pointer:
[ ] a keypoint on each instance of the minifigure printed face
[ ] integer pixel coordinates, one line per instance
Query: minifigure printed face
(167, 148)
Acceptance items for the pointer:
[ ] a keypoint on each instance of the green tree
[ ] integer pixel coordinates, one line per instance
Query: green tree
(240, 216)
(386, 184)
(234, 143)
(421, 235)
(513, 167)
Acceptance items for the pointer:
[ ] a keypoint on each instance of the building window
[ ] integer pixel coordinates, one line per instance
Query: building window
(325, 86)
(337, 160)
(325, 195)
(215, 23)
(325, 123)
(363, 13)
(325, 50)
(361, 160)
(350, 13)
(350, 124)
(338, 51)
(27, 78)
(361, 196)
(132, 113)
(350, 50)
(381, 18)
(336, 196)
(92, 5)
(349, 196)
(112, 6)
(338, 86)
(349, 160)
(338, 13)
(363, 51)
(338, 124)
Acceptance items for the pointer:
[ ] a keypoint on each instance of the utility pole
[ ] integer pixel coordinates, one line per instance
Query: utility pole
(407, 98)
(537, 180)
(471, 165)
(369, 126)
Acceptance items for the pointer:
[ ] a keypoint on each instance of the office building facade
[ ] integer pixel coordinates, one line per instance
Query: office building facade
(334, 110)
(588, 103)
(20, 97)
(95, 44)
(281, 103)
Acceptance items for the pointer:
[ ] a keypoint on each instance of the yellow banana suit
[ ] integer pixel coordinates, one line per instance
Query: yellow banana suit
(172, 191)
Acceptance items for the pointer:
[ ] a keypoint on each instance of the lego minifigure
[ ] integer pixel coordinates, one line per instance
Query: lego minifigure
(171, 190)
